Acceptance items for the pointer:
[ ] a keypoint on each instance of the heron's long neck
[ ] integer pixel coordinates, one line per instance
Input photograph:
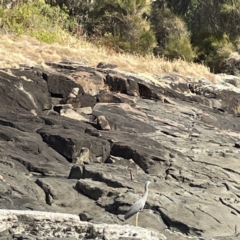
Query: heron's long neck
(146, 190)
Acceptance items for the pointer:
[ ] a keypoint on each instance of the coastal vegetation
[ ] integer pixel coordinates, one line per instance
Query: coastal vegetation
(172, 35)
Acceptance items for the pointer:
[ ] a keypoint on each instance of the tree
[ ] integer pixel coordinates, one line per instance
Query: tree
(179, 7)
(123, 23)
(215, 26)
(171, 32)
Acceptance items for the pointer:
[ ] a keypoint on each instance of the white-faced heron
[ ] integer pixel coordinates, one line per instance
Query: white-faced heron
(138, 205)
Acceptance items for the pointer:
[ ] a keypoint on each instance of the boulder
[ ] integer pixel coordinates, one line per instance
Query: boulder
(69, 143)
(81, 100)
(60, 85)
(108, 98)
(103, 123)
(84, 110)
(92, 189)
(121, 84)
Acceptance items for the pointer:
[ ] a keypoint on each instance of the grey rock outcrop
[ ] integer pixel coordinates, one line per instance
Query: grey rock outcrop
(180, 133)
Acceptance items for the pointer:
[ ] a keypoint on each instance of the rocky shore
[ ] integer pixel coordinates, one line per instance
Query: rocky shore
(78, 143)
(42, 225)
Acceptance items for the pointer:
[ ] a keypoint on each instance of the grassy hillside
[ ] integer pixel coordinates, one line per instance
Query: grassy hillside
(35, 33)
(16, 50)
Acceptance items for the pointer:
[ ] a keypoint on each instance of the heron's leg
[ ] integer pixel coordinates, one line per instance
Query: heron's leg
(131, 175)
(137, 219)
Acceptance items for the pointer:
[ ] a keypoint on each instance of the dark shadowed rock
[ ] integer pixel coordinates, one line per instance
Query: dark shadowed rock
(108, 98)
(69, 143)
(23, 92)
(81, 100)
(23, 122)
(29, 150)
(121, 84)
(237, 145)
(60, 85)
(76, 172)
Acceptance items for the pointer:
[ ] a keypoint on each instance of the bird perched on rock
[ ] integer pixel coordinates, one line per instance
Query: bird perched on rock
(138, 205)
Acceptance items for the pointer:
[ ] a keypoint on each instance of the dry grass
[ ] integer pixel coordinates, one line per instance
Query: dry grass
(26, 50)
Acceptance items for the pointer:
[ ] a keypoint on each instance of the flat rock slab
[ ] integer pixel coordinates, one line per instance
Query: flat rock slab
(45, 225)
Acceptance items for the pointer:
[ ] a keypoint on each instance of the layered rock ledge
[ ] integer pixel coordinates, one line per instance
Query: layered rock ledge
(81, 140)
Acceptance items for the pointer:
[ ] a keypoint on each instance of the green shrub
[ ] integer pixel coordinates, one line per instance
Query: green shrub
(237, 44)
(37, 19)
(172, 35)
(214, 49)
(143, 44)
(178, 48)
(222, 51)
(120, 25)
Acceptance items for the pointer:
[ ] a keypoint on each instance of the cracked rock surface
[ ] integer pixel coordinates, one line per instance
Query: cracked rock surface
(67, 148)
